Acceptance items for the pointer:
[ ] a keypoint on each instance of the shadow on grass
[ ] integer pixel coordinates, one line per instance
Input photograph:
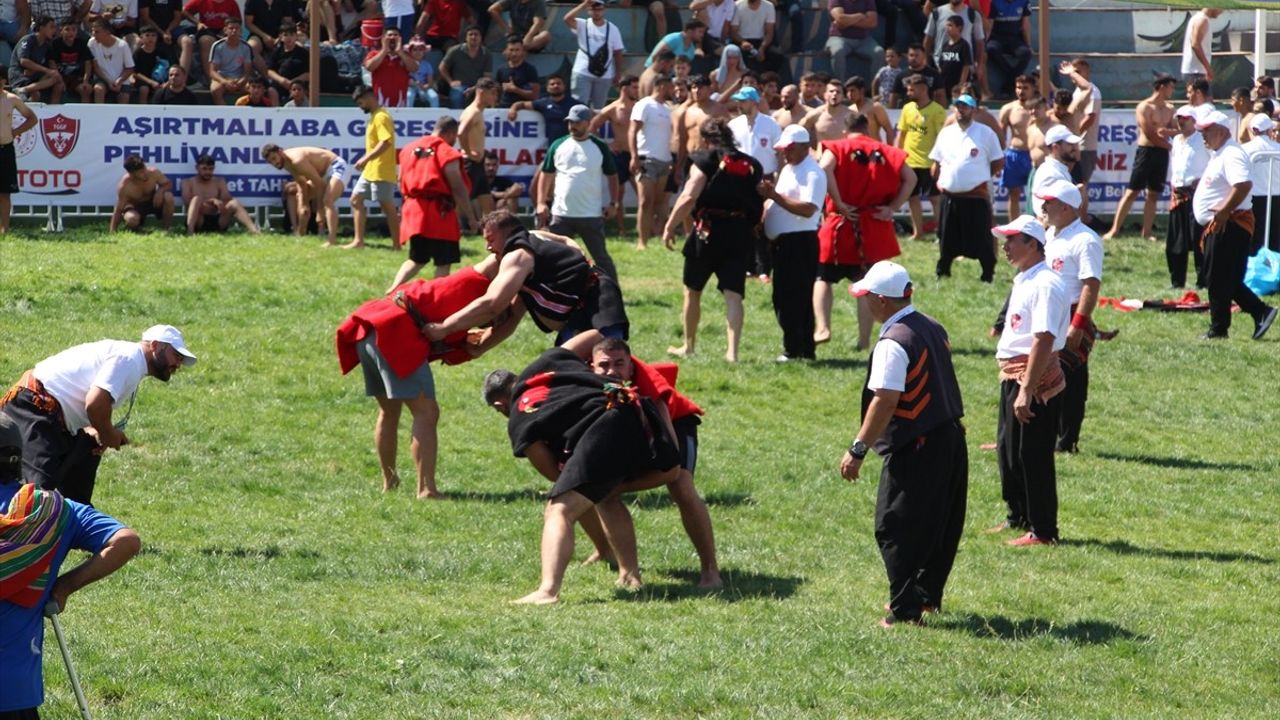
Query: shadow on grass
(1122, 547)
(738, 585)
(270, 552)
(1175, 463)
(840, 363)
(984, 352)
(659, 500)
(999, 627)
(504, 497)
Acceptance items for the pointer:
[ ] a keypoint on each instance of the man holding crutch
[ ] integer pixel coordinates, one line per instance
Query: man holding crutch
(37, 530)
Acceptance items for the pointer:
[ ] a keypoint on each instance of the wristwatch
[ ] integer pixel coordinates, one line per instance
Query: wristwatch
(858, 449)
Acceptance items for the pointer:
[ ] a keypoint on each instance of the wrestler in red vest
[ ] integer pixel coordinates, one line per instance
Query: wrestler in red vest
(398, 337)
(868, 175)
(658, 381)
(429, 210)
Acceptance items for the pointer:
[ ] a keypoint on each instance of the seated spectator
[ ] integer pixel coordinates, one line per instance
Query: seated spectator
(728, 77)
(1009, 47)
(15, 20)
(687, 43)
(518, 79)
(753, 29)
(887, 77)
(658, 11)
(528, 22)
(553, 107)
(599, 53)
(718, 15)
(851, 24)
(463, 65)
(112, 64)
(210, 18)
(390, 66)
(422, 91)
(441, 22)
(230, 64)
(70, 53)
(166, 15)
(151, 63)
(287, 61)
(298, 97)
(257, 96)
(32, 68)
(123, 16)
(265, 20)
(175, 92)
(505, 191)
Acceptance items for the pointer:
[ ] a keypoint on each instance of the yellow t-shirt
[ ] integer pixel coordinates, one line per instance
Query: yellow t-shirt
(921, 128)
(383, 167)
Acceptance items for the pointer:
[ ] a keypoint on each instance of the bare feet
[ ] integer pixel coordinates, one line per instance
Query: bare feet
(1109, 236)
(629, 581)
(916, 236)
(1153, 238)
(537, 597)
(730, 356)
(682, 351)
(328, 244)
(642, 245)
(430, 495)
(596, 557)
(390, 482)
(821, 336)
(710, 580)
(353, 245)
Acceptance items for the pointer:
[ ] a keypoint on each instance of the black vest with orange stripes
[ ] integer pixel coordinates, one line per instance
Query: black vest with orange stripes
(931, 395)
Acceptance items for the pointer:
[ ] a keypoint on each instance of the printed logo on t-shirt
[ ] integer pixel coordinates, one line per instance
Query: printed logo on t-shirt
(1015, 321)
(1057, 265)
(973, 152)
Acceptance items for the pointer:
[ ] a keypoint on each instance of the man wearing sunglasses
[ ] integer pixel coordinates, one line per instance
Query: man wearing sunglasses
(63, 407)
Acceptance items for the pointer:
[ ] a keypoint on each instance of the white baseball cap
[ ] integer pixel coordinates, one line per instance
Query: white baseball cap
(1060, 133)
(1062, 191)
(1211, 118)
(791, 135)
(885, 278)
(1025, 224)
(1261, 123)
(173, 337)
(1186, 111)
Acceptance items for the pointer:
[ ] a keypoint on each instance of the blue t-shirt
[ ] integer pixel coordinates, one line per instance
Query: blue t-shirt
(425, 70)
(1006, 19)
(676, 42)
(22, 629)
(554, 113)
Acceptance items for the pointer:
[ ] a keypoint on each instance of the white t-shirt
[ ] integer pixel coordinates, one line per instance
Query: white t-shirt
(580, 181)
(1262, 179)
(113, 365)
(396, 8)
(757, 139)
(1190, 63)
(717, 16)
(889, 359)
(1089, 102)
(113, 60)
(964, 156)
(130, 10)
(805, 182)
(1037, 304)
(1229, 166)
(1076, 255)
(1051, 170)
(653, 139)
(1187, 159)
(750, 23)
(594, 38)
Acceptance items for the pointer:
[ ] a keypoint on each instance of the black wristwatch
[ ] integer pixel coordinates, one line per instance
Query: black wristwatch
(858, 449)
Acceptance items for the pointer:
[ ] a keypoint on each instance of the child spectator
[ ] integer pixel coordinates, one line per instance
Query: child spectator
(955, 58)
(70, 52)
(257, 96)
(887, 76)
(297, 95)
(151, 62)
(287, 61)
(113, 64)
(422, 91)
(230, 63)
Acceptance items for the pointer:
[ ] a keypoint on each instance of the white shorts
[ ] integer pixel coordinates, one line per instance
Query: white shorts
(378, 191)
(339, 169)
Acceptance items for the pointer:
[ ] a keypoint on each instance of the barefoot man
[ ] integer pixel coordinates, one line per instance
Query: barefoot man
(142, 191)
(1015, 122)
(210, 207)
(617, 115)
(829, 121)
(321, 176)
(1151, 163)
(688, 123)
(471, 140)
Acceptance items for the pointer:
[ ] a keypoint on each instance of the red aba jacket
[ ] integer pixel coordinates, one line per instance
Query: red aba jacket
(399, 339)
(658, 382)
(428, 209)
(868, 175)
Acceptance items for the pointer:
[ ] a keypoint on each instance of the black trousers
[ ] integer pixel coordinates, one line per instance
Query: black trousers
(1226, 257)
(920, 511)
(53, 458)
(1183, 239)
(1261, 204)
(964, 229)
(1074, 397)
(1028, 479)
(795, 266)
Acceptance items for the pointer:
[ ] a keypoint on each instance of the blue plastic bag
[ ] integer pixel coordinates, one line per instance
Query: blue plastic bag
(1263, 273)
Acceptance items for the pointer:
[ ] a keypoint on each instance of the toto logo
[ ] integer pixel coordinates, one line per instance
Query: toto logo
(26, 142)
(60, 134)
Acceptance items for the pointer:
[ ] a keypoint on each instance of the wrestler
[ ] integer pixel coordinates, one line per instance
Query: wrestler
(1151, 161)
(829, 121)
(867, 181)
(434, 187)
(322, 177)
(142, 191)
(210, 207)
(688, 121)
(792, 111)
(471, 136)
(1016, 117)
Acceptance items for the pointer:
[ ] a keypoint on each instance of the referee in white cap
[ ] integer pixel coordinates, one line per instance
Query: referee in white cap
(911, 412)
(63, 407)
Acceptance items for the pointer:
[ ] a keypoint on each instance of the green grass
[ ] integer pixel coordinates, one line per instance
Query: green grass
(277, 581)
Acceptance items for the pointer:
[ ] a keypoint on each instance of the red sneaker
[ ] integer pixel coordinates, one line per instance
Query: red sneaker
(1029, 539)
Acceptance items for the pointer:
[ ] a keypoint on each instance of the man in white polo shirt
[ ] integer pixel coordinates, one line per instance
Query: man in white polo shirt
(965, 158)
(574, 174)
(1064, 151)
(1187, 160)
(756, 133)
(63, 406)
(1219, 205)
(1264, 158)
(1074, 251)
(649, 141)
(791, 218)
(1030, 384)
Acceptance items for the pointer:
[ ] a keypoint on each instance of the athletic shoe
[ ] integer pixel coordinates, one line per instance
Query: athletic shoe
(1030, 539)
(1262, 326)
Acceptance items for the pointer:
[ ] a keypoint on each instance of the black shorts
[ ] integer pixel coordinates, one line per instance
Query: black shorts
(1150, 167)
(835, 273)
(1082, 171)
(143, 210)
(8, 169)
(622, 162)
(479, 181)
(424, 250)
(209, 224)
(208, 32)
(687, 434)
(729, 254)
(925, 185)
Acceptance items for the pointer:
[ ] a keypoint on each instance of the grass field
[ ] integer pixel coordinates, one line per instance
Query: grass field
(277, 581)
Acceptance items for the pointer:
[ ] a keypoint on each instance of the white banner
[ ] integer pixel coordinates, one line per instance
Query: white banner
(75, 154)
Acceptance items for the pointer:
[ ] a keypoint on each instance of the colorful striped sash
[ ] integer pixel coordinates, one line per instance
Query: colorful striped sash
(29, 533)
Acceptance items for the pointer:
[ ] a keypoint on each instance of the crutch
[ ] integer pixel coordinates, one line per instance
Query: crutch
(51, 610)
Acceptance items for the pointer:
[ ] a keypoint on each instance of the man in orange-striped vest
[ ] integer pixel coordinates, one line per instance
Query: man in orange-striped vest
(911, 412)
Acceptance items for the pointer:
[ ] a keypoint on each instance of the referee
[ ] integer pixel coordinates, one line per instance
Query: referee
(911, 412)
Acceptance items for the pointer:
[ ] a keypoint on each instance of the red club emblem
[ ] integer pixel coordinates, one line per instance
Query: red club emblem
(1015, 321)
(60, 134)
(537, 389)
(1057, 265)
(973, 152)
